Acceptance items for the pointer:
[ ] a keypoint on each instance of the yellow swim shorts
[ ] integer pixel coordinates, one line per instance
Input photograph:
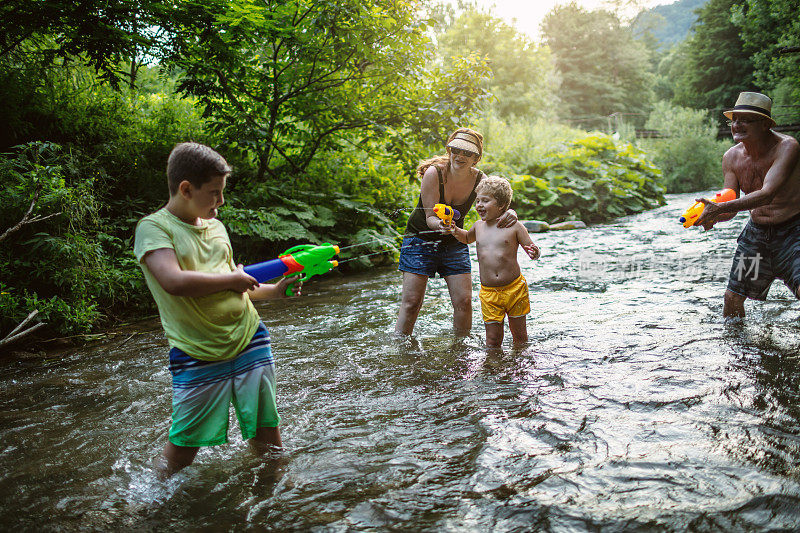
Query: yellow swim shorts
(511, 300)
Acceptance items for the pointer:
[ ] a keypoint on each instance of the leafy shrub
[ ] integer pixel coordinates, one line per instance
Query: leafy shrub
(63, 263)
(510, 147)
(689, 155)
(260, 233)
(590, 179)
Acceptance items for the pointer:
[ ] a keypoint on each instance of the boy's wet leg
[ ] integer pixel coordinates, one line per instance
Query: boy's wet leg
(494, 334)
(733, 305)
(266, 440)
(460, 287)
(519, 330)
(175, 458)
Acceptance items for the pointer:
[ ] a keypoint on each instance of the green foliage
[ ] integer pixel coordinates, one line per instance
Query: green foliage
(603, 68)
(98, 33)
(511, 146)
(522, 80)
(457, 93)
(349, 195)
(286, 80)
(716, 65)
(590, 178)
(767, 26)
(59, 260)
(689, 155)
(263, 233)
(127, 132)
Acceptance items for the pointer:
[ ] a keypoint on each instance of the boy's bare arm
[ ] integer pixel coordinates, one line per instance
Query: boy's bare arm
(524, 239)
(163, 264)
(271, 291)
(462, 235)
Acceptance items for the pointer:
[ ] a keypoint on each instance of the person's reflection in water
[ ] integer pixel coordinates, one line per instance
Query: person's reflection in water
(767, 386)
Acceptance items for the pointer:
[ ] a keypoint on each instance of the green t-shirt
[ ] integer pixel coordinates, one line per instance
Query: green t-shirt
(213, 327)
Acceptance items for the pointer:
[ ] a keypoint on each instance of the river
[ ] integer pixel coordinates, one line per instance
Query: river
(635, 407)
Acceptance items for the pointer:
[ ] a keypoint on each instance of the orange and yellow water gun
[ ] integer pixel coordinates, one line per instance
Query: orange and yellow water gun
(693, 213)
(446, 213)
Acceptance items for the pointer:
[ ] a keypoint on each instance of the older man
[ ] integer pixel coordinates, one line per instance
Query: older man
(764, 166)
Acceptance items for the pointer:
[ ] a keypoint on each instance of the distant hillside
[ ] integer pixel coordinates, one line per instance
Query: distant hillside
(668, 23)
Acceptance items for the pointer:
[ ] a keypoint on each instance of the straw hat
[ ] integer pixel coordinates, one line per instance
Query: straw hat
(754, 104)
(465, 141)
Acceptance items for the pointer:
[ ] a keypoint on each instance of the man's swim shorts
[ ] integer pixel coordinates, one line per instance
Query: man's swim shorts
(511, 300)
(202, 392)
(764, 254)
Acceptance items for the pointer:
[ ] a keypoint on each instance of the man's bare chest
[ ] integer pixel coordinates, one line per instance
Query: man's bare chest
(751, 173)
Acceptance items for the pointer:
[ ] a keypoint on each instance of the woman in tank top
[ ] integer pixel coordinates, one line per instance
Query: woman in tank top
(427, 248)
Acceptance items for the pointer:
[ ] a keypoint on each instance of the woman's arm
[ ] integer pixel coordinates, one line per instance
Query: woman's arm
(429, 193)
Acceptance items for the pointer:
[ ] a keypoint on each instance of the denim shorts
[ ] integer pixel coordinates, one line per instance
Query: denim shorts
(764, 254)
(427, 258)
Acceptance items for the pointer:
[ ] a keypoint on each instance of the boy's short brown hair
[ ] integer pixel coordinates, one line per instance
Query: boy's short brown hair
(195, 163)
(498, 188)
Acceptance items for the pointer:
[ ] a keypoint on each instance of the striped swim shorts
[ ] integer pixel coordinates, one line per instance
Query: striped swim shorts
(202, 392)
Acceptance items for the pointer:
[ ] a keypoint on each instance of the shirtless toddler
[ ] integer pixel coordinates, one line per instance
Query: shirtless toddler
(504, 290)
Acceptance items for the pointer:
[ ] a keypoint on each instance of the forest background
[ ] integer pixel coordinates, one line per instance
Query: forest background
(325, 107)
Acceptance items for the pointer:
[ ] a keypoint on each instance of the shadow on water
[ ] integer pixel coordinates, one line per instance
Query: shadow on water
(634, 407)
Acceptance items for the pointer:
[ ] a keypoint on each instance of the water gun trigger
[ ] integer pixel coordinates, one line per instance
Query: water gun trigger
(308, 260)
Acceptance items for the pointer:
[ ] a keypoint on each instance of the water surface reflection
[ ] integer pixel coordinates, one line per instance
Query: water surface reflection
(633, 407)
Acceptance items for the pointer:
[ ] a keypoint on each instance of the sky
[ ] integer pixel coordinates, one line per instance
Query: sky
(527, 15)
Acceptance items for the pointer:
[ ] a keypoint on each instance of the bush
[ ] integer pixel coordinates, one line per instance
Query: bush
(510, 147)
(347, 197)
(689, 155)
(591, 179)
(64, 264)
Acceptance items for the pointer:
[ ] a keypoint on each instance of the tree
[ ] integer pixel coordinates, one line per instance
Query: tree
(284, 80)
(522, 74)
(716, 64)
(603, 69)
(103, 34)
(768, 29)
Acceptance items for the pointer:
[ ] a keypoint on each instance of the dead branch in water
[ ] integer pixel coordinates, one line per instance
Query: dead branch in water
(20, 331)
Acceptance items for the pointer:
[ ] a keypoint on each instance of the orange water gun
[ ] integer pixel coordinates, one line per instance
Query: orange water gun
(693, 213)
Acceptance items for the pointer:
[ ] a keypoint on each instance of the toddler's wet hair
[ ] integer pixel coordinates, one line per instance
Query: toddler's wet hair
(498, 188)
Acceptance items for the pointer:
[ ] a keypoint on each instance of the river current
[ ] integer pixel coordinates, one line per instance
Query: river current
(635, 407)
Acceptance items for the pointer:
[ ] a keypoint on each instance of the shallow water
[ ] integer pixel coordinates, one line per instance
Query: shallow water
(634, 407)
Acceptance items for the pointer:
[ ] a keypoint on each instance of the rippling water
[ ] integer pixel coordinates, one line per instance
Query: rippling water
(634, 407)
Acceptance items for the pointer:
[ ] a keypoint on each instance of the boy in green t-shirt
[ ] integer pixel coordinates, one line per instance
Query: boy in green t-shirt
(220, 350)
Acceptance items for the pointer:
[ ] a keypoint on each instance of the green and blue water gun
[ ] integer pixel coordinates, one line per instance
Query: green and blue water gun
(305, 259)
